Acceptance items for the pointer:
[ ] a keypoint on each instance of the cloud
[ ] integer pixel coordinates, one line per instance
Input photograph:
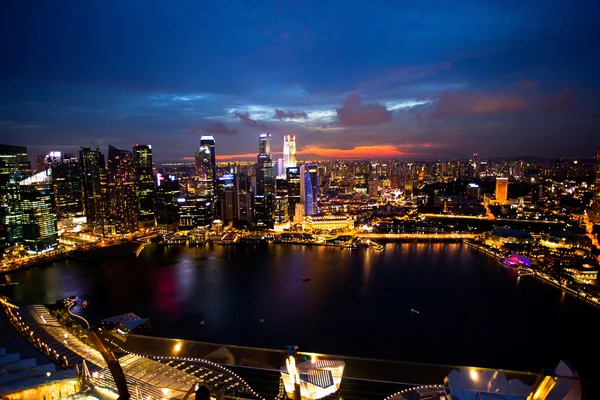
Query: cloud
(354, 113)
(281, 114)
(378, 151)
(563, 101)
(249, 122)
(461, 103)
(216, 128)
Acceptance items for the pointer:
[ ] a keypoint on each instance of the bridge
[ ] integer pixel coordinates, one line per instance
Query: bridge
(418, 236)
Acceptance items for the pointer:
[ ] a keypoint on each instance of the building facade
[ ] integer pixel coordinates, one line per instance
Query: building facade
(289, 151)
(94, 188)
(309, 188)
(121, 191)
(145, 187)
(501, 190)
(596, 200)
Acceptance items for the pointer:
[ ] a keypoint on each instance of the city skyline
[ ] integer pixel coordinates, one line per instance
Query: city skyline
(389, 81)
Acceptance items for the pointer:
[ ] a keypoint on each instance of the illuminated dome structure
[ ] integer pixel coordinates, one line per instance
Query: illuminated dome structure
(561, 240)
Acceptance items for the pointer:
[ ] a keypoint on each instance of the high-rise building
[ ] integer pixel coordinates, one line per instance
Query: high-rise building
(501, 189)
(195, 212)
(293, 189)
(40, 163)
(66, 184)
(206, 172)
(226, 192)
(13, 160)
(289, 151)
(596, 200)
(145, 186)
(39, 217)
(244, 198)
(309, 188)
(94, 188)
(121, 191)
(167, 210)
(265, 183)
(281, 211)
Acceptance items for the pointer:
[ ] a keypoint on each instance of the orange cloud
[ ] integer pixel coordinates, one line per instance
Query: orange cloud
(227, 157)
(380, 151)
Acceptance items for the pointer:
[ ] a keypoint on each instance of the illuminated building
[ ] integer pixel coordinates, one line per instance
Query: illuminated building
(66, 184)
(244, 198)
(144, 185)
(503, 237)
(11, 215)
(289, 151)
(293, 190)
(327, 222)
(39, 217)
(13, 160)
(206, 171)
(361, 183)
(94, 188)
(596, 199)
(473, 191)
(167, 193)
(227, 197)
(281, 213)
(265, 183)
(40, 163)
(309, 188)
(564, 241)
(121, 191)
(195, 212)
(501, 190)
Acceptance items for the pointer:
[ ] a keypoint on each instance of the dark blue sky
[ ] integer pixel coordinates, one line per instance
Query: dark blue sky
(415, 80)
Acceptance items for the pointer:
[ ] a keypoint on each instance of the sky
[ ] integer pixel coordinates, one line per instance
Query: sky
(399, 79)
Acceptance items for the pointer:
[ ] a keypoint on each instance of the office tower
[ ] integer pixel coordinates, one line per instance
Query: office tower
(473, 192)
(144, 185)
(206, 172)
(293, 189)
(289, 151)
(40, 163)
(309, 188)
(596, 199)
(280, 167)
(13, 161)
(281, 205)
(195, 212)
(408, 186)
(94, 188)
(501, 189)
(244, 198)
(265, 183)
(121, 191)
(167, 209)
(39, 217)
(66, 184)
(226, 192)
(11, 215)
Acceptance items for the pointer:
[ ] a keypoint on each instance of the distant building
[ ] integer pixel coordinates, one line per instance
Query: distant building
(167, 210)
(502, 238)
(289, 151)
(66, 184)
(244, 198)
(473, 192)
(501, 190)
(121, 191)
(94, 188)
(281, 211)
(309, 188)
(264, 199)
(596, 200)
(327, 222)
(145, 186)
(13, 160)
(293, 190)
(39, 217)
(195, 212)
(227, 197)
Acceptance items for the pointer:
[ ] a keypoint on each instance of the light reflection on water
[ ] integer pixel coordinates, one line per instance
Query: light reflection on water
(472, 310)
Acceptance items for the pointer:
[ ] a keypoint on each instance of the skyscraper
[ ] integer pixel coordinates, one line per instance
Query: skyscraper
(289, 151)
(309, 188)
(596, 204)
(501, 189)
(226, 191)
(206, 172)
(281, 211)
(121, 189)
(66, 184)
(244, 198)
(39, 217)
(167, 193)
(293, 189)
(13, 160)
(94, 188)
(144, 185)
(265, 183)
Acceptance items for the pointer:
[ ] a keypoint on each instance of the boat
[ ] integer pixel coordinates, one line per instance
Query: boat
(306, 278)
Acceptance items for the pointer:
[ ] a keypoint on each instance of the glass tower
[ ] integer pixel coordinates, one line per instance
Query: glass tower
(145, 188)
(121, 190)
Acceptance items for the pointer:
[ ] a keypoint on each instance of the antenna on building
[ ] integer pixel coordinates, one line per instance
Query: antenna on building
(90, 141)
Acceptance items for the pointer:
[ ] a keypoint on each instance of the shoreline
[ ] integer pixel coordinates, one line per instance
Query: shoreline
(585, 298)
